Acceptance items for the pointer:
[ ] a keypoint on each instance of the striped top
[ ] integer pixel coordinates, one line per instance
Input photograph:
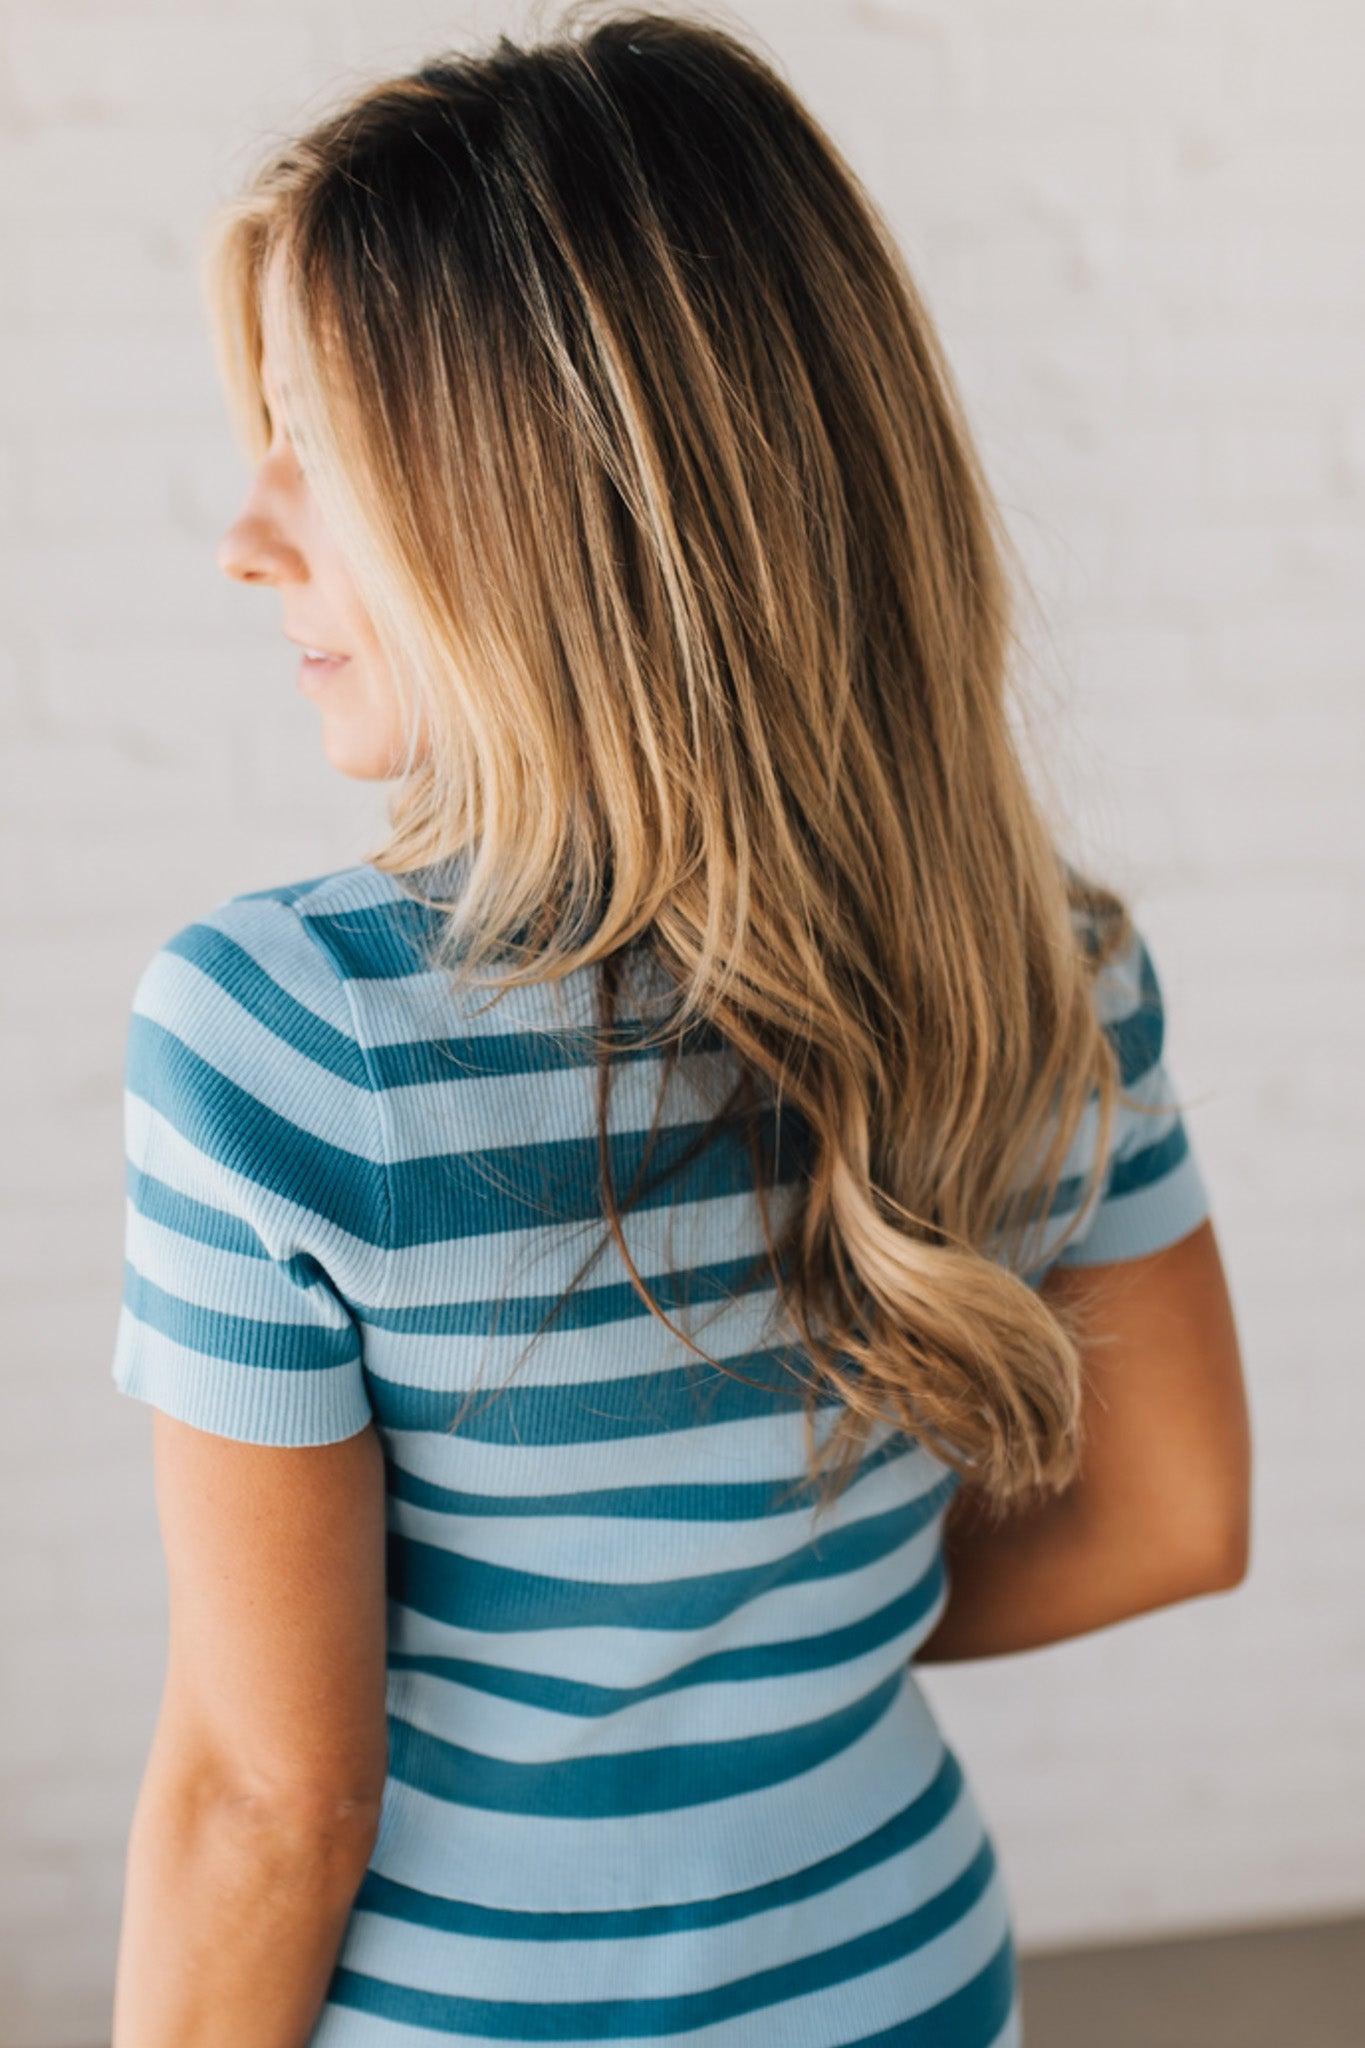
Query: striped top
(659, 1765)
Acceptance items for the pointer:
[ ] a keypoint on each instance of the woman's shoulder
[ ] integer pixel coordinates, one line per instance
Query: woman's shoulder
(257, 1177)
(246, 1005)
(245, 1018)
(301, 940)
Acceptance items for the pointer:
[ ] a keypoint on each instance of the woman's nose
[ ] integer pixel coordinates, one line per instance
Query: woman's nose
(250, 553)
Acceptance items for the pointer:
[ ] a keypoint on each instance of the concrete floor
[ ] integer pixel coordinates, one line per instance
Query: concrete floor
(1273, 1987)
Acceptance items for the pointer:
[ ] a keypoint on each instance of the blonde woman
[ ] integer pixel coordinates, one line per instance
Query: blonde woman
(581, 1253)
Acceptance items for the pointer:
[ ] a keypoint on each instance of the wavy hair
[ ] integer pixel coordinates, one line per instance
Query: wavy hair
(633, 425)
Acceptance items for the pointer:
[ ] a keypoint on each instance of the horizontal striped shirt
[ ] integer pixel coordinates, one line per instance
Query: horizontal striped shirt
(659, 1765)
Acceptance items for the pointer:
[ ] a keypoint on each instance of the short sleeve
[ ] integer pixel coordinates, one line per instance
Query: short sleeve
(1152, 1192)
(256, 1194)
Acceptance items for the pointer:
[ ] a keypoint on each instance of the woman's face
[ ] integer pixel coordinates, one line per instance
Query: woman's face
(278, 537)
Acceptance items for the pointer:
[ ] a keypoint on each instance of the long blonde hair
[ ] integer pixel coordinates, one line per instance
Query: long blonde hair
(658, 491)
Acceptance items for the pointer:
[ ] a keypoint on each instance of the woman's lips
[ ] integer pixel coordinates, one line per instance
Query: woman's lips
(314, 670)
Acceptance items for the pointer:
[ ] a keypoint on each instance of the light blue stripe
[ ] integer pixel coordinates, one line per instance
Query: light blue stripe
(737, 1500)
(384, 1895)
(633, 1781)
(306, 1345)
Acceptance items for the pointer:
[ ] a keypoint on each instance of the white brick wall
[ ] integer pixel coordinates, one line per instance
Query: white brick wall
(1139, 226)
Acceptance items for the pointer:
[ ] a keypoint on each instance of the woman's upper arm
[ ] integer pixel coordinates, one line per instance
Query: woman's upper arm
(275, 1672)
(1165, 1434)
(1165, 1430)
(256, 1220)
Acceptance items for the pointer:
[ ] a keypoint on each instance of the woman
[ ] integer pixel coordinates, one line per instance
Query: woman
(580, 1252)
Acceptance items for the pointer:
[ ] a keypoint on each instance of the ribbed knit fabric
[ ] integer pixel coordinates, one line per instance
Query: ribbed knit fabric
(660, 1769)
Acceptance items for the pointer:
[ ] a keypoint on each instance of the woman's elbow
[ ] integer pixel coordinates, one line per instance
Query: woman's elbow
(1221, 1558)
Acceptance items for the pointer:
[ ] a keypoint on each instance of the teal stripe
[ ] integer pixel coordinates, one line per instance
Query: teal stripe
(240, 976)
(449, 1196)
(196, 1222)
(893, 1837)
(369, 941)
(637, 1781)
(1139, 1035)
(512, 1055)
(587, 1308)
(304, 1346)
(624, 2018)
(972, 2017)
(690, 1396)
(375, 941)
(233, 1127)
(469, 1592)
(745, 1662)
(1152, 1163)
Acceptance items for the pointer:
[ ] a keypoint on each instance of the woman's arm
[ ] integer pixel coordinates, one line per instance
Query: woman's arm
(261, 1797)
(233, 1913)
(1160, 1511)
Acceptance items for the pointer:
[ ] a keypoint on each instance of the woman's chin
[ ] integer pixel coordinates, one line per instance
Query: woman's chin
(355, 754)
